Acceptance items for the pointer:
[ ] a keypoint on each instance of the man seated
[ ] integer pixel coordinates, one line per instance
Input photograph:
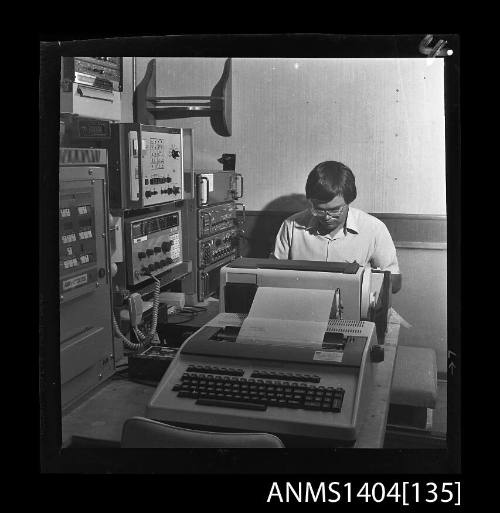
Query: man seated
(333, 231)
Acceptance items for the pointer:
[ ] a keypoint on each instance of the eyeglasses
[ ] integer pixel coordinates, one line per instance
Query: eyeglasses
(328, 212)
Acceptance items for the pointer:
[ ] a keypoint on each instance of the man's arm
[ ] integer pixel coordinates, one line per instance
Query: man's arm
(385, 258)
(282, 243)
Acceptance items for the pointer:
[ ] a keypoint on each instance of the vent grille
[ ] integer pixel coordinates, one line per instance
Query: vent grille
(346, 326)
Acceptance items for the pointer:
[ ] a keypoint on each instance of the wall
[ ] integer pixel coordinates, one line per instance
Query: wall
(422, 300)
(384, 118)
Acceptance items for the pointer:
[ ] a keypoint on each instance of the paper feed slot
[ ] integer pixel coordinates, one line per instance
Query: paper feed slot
(95, 93)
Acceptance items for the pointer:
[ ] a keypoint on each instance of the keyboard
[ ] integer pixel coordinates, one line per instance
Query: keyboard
(223, 386)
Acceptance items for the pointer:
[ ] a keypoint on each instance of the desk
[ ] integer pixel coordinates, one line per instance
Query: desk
(101, 416)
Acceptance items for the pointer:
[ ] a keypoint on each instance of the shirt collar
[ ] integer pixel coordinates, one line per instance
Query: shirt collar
(351, 224)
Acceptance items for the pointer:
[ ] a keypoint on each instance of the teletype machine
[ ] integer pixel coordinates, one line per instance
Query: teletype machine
(291, 352)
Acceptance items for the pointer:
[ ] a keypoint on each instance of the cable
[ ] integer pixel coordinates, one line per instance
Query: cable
(197, 308)
(156, 304)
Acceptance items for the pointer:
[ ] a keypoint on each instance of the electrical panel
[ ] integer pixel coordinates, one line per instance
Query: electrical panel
(86, 347)
(146, 166)
(90, 86)
(99, 72)
(83, 132)
(214, 187)
(213, 230)
(153, 245)
(212, 220)
(222, 246)
(77, 241)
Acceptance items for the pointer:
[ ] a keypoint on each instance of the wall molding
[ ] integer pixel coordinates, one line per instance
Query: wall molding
(408, 231)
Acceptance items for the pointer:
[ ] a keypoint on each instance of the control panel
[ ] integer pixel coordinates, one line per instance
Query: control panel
(100, 72)
(217, 247)
(80, 131)
(146, 166)
(216, 219)
(77, 240)
(153, 245)
(213, 187)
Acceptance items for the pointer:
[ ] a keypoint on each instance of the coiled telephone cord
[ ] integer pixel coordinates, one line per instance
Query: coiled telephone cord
(143, 337)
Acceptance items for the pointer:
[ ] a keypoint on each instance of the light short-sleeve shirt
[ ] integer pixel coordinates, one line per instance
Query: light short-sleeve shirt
(363, 238)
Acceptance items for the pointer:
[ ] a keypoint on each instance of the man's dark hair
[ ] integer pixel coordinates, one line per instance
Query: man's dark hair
(330, 179)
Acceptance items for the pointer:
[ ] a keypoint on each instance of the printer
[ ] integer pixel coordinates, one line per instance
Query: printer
(291, 352)
(362, 293)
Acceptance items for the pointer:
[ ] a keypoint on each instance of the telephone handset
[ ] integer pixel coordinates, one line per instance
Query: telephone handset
(135, 308)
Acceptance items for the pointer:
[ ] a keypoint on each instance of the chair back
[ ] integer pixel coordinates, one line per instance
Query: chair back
(140, 432)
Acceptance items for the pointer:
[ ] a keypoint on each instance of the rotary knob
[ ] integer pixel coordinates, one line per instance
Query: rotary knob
(175, 154)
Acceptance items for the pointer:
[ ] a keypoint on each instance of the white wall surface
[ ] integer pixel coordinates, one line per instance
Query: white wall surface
(384, 118)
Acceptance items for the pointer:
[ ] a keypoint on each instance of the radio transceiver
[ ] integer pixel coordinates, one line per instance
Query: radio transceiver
(153, 245)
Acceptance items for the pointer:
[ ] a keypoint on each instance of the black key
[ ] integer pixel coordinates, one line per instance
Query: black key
(232, 404)
(272, 401)
(177, 387)
(312, 405)
(293, 404)
(336, 405)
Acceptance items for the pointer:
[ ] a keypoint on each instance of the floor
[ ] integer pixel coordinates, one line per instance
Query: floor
(87, 419)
